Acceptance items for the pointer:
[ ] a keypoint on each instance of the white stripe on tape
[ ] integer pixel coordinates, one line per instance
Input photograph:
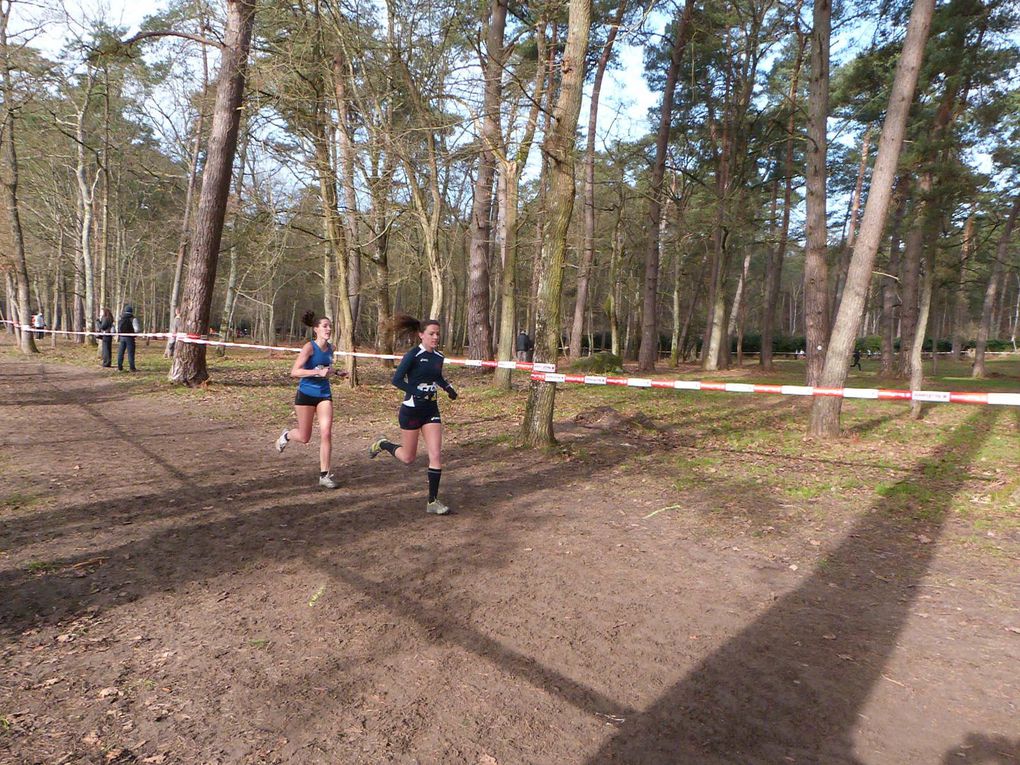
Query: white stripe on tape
(797, 390)
(555, 377)
(595, 380)
(739, 388)
(1004, 399)
(506, 364)
(687, 385)
(639, 382)
(860, 393)
(543, 367)
(472, 362)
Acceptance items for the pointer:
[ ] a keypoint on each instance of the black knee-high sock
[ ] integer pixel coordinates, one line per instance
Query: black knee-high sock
(390, 447)
(434, 475)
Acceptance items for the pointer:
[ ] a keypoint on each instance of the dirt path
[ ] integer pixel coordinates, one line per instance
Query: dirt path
(174, 591)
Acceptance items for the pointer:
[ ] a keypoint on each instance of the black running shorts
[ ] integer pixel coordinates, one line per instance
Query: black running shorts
(303, 399)
(422, 413)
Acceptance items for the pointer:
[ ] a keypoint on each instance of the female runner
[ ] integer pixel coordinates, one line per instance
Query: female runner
(314, 398)
(418, 375)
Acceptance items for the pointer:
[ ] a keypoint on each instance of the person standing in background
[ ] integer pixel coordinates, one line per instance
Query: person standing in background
(104, 325)
(127, 328)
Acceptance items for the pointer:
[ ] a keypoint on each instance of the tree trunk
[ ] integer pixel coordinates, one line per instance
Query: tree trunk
(9, 181)
(960, 296)
(890, 282)
(825, 409)
(230, 295)
(855, 203)
(189, 195)
(189, 364)
(559, 148)
(923, 311)
(991, 291)
(508, 190)
(345, 173)
(182, 245)
(774, 262)
(337, 239)
(478, 302)
(649, 351)
(588, 250)
(86, 197)
(816, 277)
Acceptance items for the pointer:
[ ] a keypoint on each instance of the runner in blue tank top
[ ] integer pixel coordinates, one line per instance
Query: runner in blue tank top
(419, 373)
(314, 398)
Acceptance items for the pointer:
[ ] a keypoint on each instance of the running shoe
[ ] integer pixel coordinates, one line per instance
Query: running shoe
(436, 508)
(375, 448)
(327, 482)
(281, 442)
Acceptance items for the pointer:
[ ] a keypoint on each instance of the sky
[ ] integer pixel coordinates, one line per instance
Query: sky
(623, 107)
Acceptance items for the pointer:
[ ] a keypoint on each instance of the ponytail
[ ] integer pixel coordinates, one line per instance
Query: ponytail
(312, 319)
(407, 326)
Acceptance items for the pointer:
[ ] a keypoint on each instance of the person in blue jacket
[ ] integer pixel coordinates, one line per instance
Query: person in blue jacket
(314, 398)
(418, 375)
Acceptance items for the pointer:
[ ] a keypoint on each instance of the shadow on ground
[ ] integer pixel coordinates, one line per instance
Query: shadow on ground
(789, 687)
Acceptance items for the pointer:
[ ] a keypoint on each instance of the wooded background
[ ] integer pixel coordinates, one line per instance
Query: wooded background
(247, 161)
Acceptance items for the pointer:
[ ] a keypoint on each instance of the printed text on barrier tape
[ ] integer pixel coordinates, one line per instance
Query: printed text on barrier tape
(925, 396)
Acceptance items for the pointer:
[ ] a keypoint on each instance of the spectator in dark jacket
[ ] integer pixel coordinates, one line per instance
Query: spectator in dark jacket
(105, 328)
(127, 328)
(524, 346)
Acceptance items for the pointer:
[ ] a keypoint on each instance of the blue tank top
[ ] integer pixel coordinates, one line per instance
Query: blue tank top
(317, 386)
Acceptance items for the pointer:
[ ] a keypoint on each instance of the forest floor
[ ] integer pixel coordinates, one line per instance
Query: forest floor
(685, 579)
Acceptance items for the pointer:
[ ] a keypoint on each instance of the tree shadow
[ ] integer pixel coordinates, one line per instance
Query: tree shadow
(179, 550)
(984, 749)
(789, 687)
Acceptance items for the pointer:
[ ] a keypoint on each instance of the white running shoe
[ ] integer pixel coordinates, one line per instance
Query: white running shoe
(281, 442)
(436, 508)
(327, 482)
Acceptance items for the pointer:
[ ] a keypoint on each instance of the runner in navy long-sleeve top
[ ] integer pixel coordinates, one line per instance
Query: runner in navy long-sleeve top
(419, 373)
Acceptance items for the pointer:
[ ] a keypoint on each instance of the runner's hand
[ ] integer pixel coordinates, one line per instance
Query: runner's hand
(451, 393)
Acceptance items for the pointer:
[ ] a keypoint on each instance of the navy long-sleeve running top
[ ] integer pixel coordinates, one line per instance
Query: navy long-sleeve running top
(418, 374)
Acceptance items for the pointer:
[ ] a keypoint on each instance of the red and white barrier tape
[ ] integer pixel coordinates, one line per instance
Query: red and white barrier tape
(926, 396)
(545, 372)
(185, 337)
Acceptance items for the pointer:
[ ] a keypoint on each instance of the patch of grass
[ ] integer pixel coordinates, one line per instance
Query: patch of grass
(18, 501)
(41, 566)
(806, 492)
(259, 643)
(5, 724)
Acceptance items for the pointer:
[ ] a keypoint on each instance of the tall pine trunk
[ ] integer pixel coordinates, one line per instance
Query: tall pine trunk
(559, 148)
(189, 365)
(816, 275)
(992, 290)
(959, 315)
(649, 351)
(774, 262)
(478, 300)
(825, 410)
(588, 250)
(9, 181)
